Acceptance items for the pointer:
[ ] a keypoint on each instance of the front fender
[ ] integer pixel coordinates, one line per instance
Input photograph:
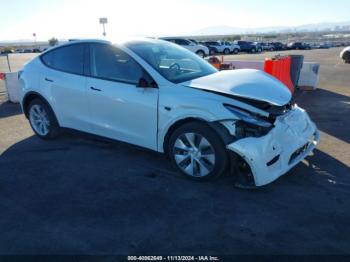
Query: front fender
(168, 118)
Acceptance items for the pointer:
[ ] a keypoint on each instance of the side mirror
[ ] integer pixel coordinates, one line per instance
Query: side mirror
(144, 83)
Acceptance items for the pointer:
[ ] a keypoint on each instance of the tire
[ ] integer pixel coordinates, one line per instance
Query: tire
(346, 57)
(200, 53)
(253, 50)
(259, 50)
(186, 149)
(226, 51)
(40, 112)
(235, 51)
(212, 52)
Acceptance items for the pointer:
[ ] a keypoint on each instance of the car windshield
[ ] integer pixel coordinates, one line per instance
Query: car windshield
(173, 62)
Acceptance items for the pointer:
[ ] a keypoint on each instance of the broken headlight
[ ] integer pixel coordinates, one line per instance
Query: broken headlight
(249, 125)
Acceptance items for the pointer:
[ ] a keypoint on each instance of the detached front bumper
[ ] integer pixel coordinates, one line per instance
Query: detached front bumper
(291, 140)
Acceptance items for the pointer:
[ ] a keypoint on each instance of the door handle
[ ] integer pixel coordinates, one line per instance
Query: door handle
(48, 80)
(95, 89)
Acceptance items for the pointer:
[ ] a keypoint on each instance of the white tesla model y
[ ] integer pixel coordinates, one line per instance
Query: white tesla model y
(160, 96)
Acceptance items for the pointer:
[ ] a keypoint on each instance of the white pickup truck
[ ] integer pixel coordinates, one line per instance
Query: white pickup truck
(222, 47)
(200, 50)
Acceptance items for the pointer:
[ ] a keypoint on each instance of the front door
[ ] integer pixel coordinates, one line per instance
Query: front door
(119, 109)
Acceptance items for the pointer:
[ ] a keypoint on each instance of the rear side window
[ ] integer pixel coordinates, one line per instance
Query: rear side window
(68, 59)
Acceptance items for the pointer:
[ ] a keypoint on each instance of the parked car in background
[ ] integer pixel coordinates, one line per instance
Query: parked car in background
(345, 55)
(216, 47)
(36, 50)
(27, 50)
(249, 47)
(325, 46)
(278, 46)
(159, 96)
(20, 50)
(194, 41)
(298, 46)
(198, 49)
(264, 46)
(7, 51)
(234, 48)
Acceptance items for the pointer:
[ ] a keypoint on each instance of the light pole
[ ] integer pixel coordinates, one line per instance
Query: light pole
(34, 35)
(103, 21)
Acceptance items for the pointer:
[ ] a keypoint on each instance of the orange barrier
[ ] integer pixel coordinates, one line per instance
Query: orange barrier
(279, 67)
(214, 61)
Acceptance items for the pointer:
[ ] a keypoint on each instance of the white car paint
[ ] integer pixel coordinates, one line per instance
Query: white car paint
(145, 117)
(248, 83)
(292, 131)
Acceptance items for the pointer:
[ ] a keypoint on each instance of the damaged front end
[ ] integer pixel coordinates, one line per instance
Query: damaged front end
(265, 148)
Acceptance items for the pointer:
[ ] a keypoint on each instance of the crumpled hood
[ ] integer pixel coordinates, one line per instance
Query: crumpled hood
(246, 83)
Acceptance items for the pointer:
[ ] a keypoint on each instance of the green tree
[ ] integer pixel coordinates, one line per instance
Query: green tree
(53, 41)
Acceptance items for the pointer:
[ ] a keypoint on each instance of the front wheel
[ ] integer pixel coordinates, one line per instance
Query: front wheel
(197, 151)
(226, 51)
(235, 51)
(200, 53)
(42, 120)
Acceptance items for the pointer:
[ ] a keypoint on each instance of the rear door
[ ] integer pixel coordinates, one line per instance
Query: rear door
(64, 83)
(119, 109)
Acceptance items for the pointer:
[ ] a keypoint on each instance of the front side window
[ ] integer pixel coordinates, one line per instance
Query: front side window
(110, 63)
(67, 58)
(173, 62)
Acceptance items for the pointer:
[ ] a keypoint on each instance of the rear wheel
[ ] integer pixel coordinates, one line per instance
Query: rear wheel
(346, 57)
(42, 119)
(253, 50)
(235, 51)
(197, 151)
(226, 51)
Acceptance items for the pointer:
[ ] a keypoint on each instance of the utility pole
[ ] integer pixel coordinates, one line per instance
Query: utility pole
(103, 21)
(34, 35)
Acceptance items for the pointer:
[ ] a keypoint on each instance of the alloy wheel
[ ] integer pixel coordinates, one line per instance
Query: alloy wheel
(39, 120)
(194, 154)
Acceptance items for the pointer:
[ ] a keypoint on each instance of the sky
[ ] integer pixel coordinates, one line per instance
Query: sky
(65, 19)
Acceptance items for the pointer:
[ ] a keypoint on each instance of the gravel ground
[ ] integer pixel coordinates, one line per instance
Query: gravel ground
(81, 195)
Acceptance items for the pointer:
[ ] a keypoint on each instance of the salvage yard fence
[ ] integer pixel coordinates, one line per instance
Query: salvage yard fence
(5, 67)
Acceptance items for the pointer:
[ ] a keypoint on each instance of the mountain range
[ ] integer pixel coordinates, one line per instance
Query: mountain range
(230, 30)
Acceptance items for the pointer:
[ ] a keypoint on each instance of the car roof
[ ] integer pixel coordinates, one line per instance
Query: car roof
(77, 41)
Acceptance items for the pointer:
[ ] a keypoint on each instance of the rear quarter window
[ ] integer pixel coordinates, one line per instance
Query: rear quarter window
(69, 59)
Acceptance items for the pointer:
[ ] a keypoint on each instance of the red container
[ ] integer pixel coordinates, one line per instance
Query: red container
(280, 68)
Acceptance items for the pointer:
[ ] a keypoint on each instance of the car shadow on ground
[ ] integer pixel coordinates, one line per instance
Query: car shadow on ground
(8, 109)
(330, 111)
(81, 195)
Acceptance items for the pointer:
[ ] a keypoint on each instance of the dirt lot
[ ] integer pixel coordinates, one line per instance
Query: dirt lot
(80, 195)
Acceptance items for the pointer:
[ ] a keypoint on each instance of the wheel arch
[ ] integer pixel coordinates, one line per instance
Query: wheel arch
(29, 97)
(220, 129)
